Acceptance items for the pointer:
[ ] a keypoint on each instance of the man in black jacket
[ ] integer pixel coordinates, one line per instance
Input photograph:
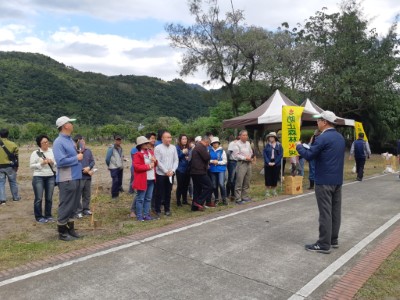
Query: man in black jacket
(202, 186)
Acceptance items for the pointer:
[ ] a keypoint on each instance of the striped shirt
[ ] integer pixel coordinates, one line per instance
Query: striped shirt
(167, 159)
(242, 150)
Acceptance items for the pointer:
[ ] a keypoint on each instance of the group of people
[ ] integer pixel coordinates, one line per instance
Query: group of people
(199, 167)
(156, 163)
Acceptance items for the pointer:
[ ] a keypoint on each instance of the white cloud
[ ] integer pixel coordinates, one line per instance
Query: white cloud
(113, 55)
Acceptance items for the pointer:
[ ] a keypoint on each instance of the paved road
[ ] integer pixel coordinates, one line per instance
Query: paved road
(257, 254)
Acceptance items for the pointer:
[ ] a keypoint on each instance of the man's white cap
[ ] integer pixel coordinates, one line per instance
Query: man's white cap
(197, 139)
(63, 120)
(327, 115)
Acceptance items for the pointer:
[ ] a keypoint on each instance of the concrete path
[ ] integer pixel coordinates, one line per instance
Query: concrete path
(253, 254)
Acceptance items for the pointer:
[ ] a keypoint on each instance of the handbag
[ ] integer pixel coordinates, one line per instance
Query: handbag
(41, 155)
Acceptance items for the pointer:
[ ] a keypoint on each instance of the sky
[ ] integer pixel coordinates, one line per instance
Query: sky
(127, 36)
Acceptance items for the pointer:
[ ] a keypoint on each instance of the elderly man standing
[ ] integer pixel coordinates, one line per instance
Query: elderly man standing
(167, 163)
(202, 185)
(68, 177)
(328, 151)
(243, 154)
(361, 151)
(115, 163)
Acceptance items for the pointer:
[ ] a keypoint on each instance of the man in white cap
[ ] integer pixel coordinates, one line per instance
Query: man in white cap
(328, 151)
(69, 173)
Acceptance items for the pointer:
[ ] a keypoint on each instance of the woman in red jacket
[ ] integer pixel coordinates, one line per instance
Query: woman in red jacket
(144, 163)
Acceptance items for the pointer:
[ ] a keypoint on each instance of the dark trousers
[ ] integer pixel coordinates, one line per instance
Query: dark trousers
(116, 176)
(202, 188)
(70, 195)
(183, 180)
(86, 192)
(230, 183)
(360, 163)
(329, 200)
(164, 188)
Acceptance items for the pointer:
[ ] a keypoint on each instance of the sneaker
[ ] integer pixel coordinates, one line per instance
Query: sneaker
(79, 216)
(247, 199)
(42, 220)
(15, 200)
(167, 213)
(2, 202)
(87, 213)
(240, 202)
(140, 219)
(335, 245)
(274, 193)
(50, 219)
(317, 248)
(267, 194)
(148, 218)
(209, 205)
(132, 215)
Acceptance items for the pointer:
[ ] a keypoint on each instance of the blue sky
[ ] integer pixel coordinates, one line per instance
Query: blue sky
(128, 37)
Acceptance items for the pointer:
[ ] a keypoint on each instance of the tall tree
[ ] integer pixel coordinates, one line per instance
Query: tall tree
(215, 43)
(355, 72)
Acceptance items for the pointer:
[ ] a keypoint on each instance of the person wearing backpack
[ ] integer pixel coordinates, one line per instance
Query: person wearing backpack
(361, 151)
(8, 166)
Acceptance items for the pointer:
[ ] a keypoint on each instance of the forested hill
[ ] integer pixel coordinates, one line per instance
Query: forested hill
(36, 88)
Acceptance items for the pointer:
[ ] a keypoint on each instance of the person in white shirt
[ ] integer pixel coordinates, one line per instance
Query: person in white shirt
(243, 153)
(167, 163)
(43, 165)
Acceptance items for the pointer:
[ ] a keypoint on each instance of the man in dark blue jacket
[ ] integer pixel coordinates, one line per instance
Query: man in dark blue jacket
(328, 151)
(361, 151)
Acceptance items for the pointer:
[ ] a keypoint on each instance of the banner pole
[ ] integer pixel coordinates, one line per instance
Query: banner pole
(282, 174)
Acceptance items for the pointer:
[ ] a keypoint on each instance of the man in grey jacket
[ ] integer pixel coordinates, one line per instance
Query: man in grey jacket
(115, 163)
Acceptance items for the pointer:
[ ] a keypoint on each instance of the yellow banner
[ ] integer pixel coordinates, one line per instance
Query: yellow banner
(358, 126)
(291, 121)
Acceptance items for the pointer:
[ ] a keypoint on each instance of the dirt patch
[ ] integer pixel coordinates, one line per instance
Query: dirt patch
(17, 216)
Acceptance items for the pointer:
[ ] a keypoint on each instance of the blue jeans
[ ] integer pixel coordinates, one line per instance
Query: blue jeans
(300, 171)
(40, 184)
(11, 174)
(143, 201)
(218, 180)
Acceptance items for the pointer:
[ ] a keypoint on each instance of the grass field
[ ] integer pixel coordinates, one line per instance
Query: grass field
(23, 240)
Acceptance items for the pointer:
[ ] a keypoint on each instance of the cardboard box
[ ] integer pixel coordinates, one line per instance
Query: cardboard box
(293, 185)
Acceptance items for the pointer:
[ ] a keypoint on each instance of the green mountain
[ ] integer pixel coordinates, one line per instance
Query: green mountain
(36, 88)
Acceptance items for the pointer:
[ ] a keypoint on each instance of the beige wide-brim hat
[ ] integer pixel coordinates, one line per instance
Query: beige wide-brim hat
(272, 134)
(215, 139)
(141, 140)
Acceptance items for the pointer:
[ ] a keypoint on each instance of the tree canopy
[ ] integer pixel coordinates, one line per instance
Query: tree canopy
(333, 58)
